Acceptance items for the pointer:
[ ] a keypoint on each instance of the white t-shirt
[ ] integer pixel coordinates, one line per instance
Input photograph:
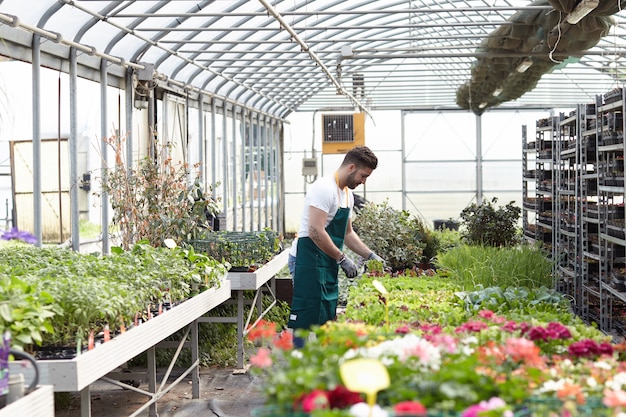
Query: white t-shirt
(325, 195)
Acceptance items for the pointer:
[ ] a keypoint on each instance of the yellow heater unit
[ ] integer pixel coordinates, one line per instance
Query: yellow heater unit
(342, 132)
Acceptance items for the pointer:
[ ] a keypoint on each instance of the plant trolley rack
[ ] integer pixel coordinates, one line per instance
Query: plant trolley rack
(258, 280)
(77, 374)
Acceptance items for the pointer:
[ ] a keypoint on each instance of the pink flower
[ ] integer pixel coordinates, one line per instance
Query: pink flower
(262, 359)
(472, 327)
(494, 403)
(411, 408)
(590, 348)
(315, 400)
(558, 331)
(403, 329)
(486, 314)
(614, 399)
(510, 326)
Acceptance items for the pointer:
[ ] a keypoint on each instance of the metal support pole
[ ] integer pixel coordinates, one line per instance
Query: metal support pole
(213, 145)
(85, 402)
(233, 157)
(73, 148)
(250, 170)
(195, 356)
(243, 170)
(403, 165)
(259, 160)
(152, 379)
(37, 214)
(104, 148)
(201, 139)
(479, 161)
(225, 183)
(129, 119)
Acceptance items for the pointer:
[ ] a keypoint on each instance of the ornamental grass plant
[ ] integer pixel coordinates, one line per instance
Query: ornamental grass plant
(477, 266)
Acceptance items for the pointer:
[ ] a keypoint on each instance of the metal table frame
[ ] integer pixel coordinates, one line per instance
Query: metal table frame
(261, 280)
(79, 373)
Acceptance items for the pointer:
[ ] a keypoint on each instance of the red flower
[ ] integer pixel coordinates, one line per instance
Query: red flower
(409, 408)
(342, 397)
(315, 400)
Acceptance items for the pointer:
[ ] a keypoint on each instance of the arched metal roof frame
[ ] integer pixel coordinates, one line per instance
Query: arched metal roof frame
(285, 57)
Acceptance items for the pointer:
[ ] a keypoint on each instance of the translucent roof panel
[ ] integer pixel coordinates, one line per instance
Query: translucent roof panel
(286, 56)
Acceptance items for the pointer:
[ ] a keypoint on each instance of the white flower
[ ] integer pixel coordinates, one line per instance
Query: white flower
(591, 382)
(617, 382)
(363, 410)
(296, 354)
(553, 386)
(603, 365)
(401, 349)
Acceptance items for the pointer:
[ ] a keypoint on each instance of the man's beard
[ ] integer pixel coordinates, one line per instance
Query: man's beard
(351, 182)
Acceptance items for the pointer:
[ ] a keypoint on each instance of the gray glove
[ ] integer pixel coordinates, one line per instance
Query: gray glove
(348, 266)
(374, 257)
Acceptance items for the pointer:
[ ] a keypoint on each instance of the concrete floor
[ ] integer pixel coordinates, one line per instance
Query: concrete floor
(224, 392)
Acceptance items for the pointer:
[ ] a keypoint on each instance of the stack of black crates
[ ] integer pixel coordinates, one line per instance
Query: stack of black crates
(573, 185)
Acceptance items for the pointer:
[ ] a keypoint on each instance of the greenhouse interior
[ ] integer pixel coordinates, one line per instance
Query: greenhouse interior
(360, 208)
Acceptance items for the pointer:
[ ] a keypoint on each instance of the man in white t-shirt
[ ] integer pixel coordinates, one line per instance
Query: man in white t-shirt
(324, 228)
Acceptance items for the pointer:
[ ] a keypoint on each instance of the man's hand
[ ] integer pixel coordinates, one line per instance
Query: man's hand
(374, 257)
(348, 266)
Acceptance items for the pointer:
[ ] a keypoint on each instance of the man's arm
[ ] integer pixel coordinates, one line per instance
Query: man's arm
(319, 235)
(354, 242)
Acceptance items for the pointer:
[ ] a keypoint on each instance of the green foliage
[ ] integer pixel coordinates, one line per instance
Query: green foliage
(537, 303)
(24, 312)
(398, 237)
(241, 250)
(447, 239)
(485, 224)
(156, 200)
(88, 291)
(485, 266)
(427, 299)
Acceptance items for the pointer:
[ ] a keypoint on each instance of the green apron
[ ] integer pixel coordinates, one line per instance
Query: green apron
(315, 287)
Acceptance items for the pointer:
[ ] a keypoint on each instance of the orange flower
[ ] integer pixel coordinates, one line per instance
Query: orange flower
(571, 391)
(262, 330)
(283, 340)
(523, 350)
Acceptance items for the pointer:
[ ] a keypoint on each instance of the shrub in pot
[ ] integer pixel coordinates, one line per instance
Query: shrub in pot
(397, 236)
(486, 224)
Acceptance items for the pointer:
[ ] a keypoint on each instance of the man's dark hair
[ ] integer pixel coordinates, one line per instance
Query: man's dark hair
(362, 157)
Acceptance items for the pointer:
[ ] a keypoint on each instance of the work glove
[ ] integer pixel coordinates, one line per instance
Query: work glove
(374, 257)
(348, 266)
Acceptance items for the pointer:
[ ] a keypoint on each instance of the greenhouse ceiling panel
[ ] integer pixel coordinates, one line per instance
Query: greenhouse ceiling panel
(286, 56)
